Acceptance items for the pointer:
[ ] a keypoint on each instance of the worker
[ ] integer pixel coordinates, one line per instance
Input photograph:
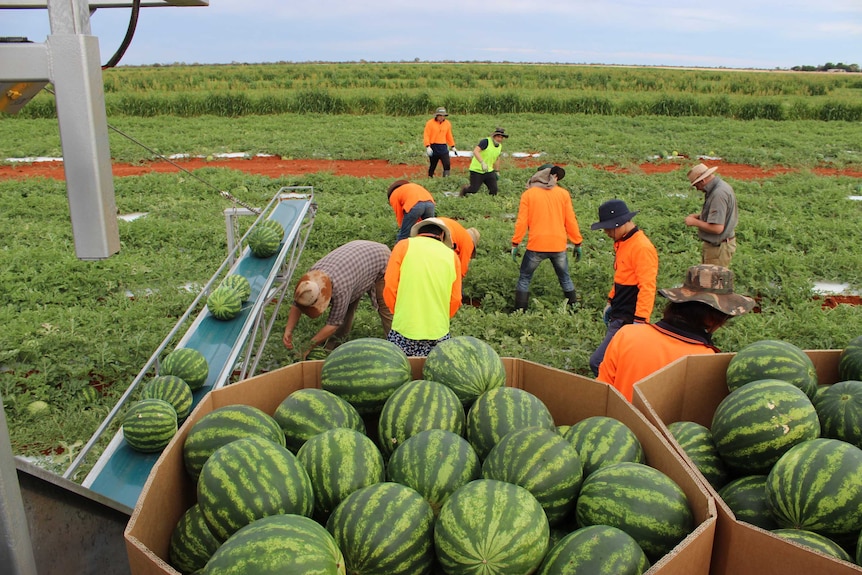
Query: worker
(483, 166)
(704, 303)
(438, 138)
(464, 242)
(411, 203)
(716, 222)
(422, 287)
(338, 281)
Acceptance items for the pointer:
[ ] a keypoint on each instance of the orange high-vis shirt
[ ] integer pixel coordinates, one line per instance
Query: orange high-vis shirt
(438, 133)
(547, 218)
(462, 241)
(405, 197)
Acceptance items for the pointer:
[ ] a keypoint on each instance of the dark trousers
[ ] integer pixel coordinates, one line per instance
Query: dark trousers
(440, 153)
(476, 181)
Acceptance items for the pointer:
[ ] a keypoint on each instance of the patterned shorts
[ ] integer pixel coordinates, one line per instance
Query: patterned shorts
(414, 347)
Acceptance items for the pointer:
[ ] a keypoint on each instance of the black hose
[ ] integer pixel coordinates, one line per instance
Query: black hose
(130, 32)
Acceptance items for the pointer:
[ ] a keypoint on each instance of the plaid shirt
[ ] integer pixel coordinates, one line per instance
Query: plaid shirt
(353, 268)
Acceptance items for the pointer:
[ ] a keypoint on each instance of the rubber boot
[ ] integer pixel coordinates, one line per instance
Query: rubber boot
(445, 173)
(522, 300)
(571, 296)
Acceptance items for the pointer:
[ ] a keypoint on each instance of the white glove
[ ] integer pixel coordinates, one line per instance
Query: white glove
(454, 150)
(484, 167)
(429, 151)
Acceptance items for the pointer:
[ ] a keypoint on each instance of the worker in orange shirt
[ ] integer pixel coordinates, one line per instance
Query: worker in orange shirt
(464, 242)
(704, 303)
(547, 218)
(437, 139)
(411, 203)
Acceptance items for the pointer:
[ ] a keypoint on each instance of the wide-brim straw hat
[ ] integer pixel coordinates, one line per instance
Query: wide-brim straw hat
(699, 172)
(312, 293)
(712, 285)
(474, 235)
(420, 226)
(612, 214)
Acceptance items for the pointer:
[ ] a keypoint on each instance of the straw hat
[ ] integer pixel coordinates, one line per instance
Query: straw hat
(312, 293)
(474, 235)
(420, 226)
(712, 285)
(699, 172)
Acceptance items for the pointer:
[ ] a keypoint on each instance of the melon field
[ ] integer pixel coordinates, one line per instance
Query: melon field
(789, 144)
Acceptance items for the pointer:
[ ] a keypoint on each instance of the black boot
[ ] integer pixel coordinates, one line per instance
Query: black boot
(522, 300)
(571, 296)
(445, 173)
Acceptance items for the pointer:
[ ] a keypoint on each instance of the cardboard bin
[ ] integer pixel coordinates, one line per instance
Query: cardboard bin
(168, 491)
(690, 389)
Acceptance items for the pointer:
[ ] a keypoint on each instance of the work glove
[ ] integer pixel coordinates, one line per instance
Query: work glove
(455, 150)
(577, 252)
(515, 254)
(606, 315)
(429, 151)
(484, 167)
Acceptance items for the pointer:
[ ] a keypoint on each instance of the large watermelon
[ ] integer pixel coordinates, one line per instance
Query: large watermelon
(192, 542)
(501, 410)
(640, 500)
(240, 284)
(263, 242)
(309, 411)
(339, 461)
(817, 486)
(543, 463)
(757, 423)
(385, 529)
(249, 479)
(276, 545)
(696, 441)
(149, 425)
(416, 406)
(839, 408)
(275, 226)
(601, 440)
(850, 360)
(746, 497)
(593, 550)
(188, 364)
(814, 541)
(365, 372)
(772, 359)
(224, 303)
(171, 389)
(466, 364)
(491, 527)
(435, 463)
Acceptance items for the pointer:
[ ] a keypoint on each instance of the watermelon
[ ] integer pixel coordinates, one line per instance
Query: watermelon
(840, 411)
(276, 545)
(240, 284)
(192, 543)
(601, 440)
(223, 425)
(416, 406)
(365, 372)
(188, 364)
(89, 394)
(491, 527)
(309, 411)
(501, 410)
(275, 226)
(149, 425)
(593, 550)
(772, 359)
(317, 353)
(640, 500)
(339, 461)
(696, 441)
(543, 463)
(384, 529)
(171, 389)
(249, 479)
(435, 463)
(746, 497)
(263, 242)
(814, 541)
(224, 303)
(817, 486)
(466, 364)
(757, 423)
(850, 361)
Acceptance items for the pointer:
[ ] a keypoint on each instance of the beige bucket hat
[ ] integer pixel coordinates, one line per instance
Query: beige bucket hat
(419, 226)
(699, 172)
(712, 285)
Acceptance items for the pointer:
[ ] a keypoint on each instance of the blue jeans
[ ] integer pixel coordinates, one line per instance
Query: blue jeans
(421, 211)
(531, 261)
(598, 355)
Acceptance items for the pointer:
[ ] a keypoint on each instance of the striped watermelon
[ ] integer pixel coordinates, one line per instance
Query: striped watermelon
(817, 486)
(223, 425)
(309, 411)
(240, 284)
(814, 541)
(466, 364)
(416, 406)
(263, 242)
(543, 463)
(772, 359)
(696, 441)
(491, 527)
(640, 500)
(757, 423)
(224, 303)
(746, 497)
(501, 410)
(249, 479)
(192, 543)
(850, 360)
(840, 411)
(365, 372)
(385, 528)
(173, 390)
(278, 544)
(593, 550)
(188, 364)
(339, 461)
(435, 463)
(149, 425)
(602, 440)
(275, 226)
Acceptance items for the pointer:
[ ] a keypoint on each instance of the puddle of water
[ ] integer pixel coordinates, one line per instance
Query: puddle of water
(828, 288)
(855, 198)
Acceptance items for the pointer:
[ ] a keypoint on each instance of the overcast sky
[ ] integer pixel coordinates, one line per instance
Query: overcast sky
(726, 33)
